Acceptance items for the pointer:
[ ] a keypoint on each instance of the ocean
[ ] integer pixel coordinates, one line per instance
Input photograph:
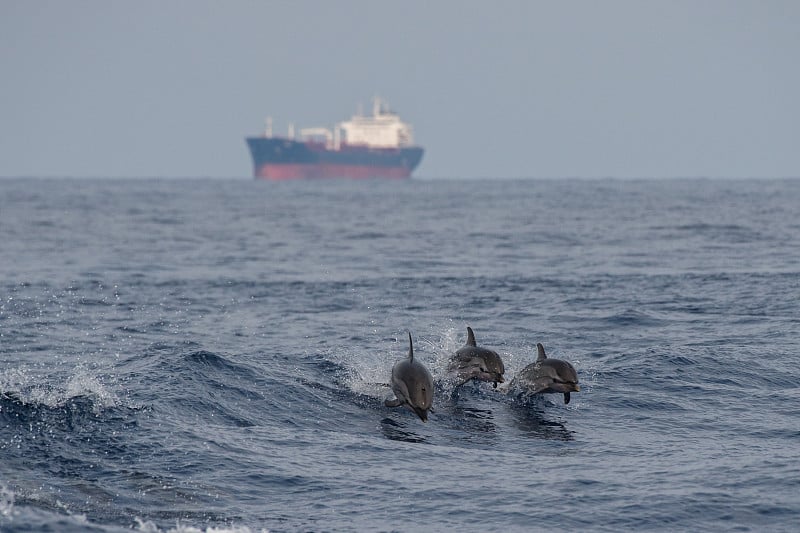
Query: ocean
(211, 355)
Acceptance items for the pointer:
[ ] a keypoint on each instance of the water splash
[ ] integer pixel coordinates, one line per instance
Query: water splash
(33, 388)
(6, 502)
(146, 526)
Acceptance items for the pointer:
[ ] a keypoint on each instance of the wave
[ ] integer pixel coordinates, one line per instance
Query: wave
(29, 387)
(22, 514)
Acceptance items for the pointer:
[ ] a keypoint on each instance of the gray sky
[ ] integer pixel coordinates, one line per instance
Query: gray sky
(493, 89)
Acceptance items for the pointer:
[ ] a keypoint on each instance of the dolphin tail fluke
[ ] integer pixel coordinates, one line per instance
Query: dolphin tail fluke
(540, 350)
(470, 337)
(410, 348)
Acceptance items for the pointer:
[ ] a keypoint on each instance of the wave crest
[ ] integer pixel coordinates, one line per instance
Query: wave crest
(28, 387)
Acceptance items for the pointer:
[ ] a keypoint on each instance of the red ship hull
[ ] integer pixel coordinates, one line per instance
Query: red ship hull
(296, 171)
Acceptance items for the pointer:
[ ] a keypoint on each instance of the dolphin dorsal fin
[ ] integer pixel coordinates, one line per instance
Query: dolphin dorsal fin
(540, 349)
(470, 337)
(410, 348)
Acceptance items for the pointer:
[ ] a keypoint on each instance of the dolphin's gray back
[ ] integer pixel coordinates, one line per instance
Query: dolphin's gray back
(539, 376)
(469, 354)
(412, 383)
(562, 369)
(398, 382)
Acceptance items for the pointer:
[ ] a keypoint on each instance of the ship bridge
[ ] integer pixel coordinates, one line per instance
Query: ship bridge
(383, 129)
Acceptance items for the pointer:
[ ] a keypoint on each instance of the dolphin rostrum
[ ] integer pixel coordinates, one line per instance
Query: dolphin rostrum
(548, 375)
(412, 385)
(475, 362)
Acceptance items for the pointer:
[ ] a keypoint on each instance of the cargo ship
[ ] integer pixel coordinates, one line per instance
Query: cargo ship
(377, 146)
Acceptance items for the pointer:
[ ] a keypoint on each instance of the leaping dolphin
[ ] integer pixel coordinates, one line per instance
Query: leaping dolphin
(475, 362)
(412, 385)
(548, 375)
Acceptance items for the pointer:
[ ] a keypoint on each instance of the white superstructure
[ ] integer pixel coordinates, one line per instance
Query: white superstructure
(383, 129)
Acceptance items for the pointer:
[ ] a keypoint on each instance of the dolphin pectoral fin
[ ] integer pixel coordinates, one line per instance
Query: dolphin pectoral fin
(498, 378)
(392, 403)
(566, 398)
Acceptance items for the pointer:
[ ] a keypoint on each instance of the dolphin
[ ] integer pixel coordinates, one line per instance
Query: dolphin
(548, 375)
(412, 385)
(474, 362)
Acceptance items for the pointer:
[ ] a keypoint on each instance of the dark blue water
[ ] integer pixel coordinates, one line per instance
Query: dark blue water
(209, 355)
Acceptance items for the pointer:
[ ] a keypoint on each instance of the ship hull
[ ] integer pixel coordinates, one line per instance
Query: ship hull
(286, 159)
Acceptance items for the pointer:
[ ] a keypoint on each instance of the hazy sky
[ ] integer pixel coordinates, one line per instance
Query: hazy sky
(492, 88)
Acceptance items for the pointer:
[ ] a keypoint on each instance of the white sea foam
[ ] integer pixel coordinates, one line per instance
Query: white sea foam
(31, 387)
(83, 383)
(369, 374)
(147, 526)
(6, 502)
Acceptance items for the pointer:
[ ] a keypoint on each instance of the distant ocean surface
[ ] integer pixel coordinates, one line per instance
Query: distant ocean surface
(207, 355)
